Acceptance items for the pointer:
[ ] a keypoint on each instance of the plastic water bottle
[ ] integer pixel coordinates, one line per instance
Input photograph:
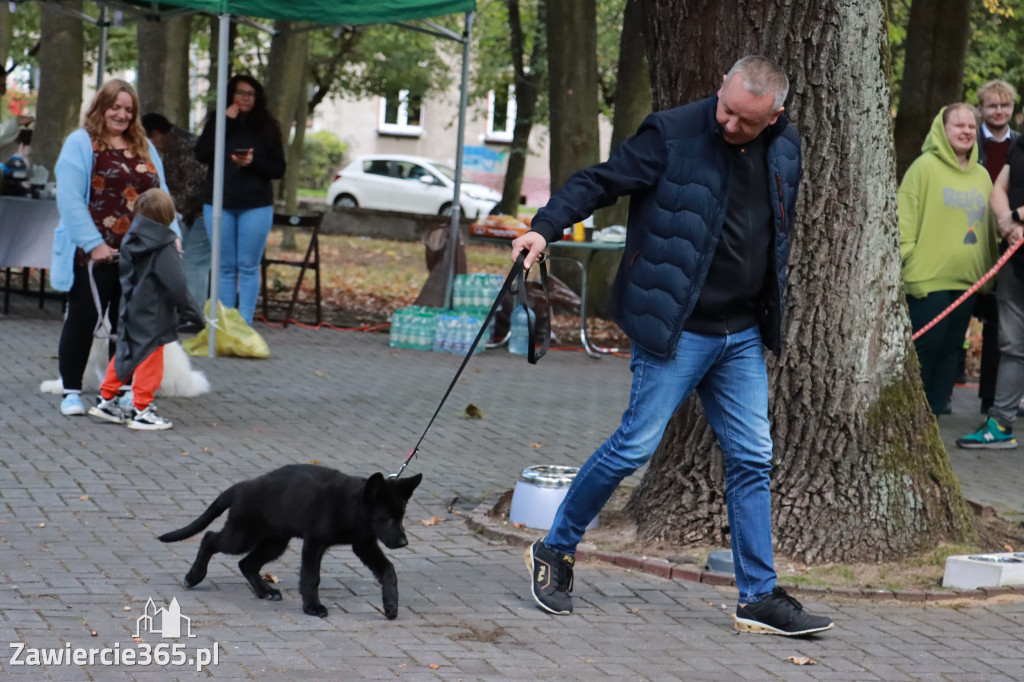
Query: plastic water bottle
(519, 340)
(397, 334)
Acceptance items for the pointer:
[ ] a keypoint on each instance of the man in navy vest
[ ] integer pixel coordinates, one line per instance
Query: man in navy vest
(700, 293)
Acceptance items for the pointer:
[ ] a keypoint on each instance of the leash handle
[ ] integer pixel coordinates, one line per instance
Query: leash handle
(967, 294)
(516, 274)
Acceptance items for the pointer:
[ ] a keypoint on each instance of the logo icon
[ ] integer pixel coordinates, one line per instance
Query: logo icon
(166, 622)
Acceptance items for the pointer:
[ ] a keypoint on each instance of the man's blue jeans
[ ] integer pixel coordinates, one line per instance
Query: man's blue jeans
(728, 373)
(243, 237)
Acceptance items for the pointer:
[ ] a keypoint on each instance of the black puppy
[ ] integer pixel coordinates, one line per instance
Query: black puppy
(322, 506)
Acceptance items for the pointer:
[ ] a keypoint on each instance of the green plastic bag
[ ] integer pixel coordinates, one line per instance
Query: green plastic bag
(235, 338)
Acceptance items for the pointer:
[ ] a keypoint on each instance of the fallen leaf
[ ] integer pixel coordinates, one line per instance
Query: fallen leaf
(314, 461)
(519, 525)
(1008, 548)
(434, 666)
(184, 454)
(634, 611)
(139, 639)
(800, 660)
(457, 512)
(536, 445)
(92, 633)
(42, 525)
(206, 449)
(271, 578)
(432, 521)
(127, 608)
(84, 497)
(472, 412)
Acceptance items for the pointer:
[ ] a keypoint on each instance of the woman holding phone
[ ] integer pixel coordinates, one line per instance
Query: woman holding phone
(255, 156)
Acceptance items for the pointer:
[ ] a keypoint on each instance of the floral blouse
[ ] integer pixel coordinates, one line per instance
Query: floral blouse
(118, 178)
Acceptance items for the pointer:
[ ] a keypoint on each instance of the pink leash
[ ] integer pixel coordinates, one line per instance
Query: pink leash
(974, 287)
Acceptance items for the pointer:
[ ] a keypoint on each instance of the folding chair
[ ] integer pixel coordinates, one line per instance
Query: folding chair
(311, 260)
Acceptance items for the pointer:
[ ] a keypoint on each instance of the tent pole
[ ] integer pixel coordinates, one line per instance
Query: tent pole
(101, 62)
(218, 176)
(453, 241)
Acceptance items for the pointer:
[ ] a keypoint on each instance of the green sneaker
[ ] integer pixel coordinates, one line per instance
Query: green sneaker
(991, 436)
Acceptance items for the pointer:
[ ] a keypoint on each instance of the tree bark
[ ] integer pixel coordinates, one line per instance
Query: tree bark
(933, 71)
(860, 471)
(60, 82)
(632, 97)
(163, 68)
(572, 88)
(529, 79)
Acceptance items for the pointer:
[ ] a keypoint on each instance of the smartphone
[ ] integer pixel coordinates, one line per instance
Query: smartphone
(241, 152)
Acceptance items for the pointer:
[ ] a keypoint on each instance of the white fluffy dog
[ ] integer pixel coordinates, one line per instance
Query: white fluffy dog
(180, 380)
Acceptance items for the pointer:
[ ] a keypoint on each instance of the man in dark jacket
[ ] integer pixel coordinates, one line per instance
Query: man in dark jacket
(699, 292)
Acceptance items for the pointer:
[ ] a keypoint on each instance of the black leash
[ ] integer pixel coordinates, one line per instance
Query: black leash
(515, 283)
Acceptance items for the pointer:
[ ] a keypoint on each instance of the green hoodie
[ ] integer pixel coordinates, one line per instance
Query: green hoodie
(948, 237)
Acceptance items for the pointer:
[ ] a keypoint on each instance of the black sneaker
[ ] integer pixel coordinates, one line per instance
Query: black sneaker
(551, 578)
(779, 614)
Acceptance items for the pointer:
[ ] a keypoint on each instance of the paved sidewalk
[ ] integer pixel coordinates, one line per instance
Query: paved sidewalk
(82, 504)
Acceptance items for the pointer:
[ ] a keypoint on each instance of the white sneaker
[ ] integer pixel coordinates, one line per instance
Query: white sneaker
(71, 405)
(148, 420)
(107, 410)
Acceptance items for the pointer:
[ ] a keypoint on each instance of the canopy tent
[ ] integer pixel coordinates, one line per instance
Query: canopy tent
(348, 12)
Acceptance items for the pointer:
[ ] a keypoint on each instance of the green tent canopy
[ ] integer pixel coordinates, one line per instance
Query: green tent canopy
(352, 12)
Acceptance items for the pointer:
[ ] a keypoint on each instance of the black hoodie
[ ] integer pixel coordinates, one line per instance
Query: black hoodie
(153, 294)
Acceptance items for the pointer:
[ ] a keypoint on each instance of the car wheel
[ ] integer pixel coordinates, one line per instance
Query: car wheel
(446, 211)
(346, 201)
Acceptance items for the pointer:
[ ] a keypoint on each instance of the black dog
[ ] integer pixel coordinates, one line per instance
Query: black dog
(322, 506)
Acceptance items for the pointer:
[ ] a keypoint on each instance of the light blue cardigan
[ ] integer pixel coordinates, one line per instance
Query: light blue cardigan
(76, 227)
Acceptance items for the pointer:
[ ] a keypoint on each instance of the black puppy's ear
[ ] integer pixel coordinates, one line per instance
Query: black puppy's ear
(374, 485)
(407, 485)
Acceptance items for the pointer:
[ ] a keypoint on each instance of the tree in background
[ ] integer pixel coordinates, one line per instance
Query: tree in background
(163, 67)
(933, 71)
(572, 88)
(60, 82)
(860, 472)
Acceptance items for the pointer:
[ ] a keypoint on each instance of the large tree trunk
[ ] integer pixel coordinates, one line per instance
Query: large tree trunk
(572, 88)
(860, 471)
(632, 96)
(529, 80)
(163, 68)
(286, 94)
(933, 71)
(60, 82)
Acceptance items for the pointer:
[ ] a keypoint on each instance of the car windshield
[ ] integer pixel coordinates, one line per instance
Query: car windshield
(446, 171)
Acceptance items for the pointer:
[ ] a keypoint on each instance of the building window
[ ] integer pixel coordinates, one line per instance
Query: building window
(501, 114)
(400, 114)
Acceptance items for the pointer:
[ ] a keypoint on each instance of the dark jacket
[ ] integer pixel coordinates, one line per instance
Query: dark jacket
(677, 170)
(153, 294)
(247, 187)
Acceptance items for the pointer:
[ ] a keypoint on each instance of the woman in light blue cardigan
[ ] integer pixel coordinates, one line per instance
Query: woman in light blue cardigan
(102, 168)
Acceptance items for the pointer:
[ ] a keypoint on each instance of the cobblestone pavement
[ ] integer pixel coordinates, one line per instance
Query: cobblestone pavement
(83, 502)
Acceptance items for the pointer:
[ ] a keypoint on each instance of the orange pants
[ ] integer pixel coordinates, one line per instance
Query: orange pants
(148, 376)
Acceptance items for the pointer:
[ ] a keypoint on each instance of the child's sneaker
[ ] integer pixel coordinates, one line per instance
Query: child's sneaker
(71, 405)
(991, 436)
(148, 420)
(107, 410)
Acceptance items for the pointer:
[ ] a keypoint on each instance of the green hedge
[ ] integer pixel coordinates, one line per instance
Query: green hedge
(323, 155)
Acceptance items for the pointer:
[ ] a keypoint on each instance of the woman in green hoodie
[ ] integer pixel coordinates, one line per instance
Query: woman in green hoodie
(948, 241)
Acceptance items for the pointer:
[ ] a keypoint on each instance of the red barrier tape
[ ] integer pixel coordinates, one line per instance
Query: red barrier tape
(967, 294)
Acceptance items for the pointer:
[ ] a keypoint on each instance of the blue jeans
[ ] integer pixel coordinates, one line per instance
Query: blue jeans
(196, 260)
(729, 375)
(243, 237)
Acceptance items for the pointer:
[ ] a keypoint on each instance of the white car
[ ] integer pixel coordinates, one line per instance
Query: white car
(411, 184)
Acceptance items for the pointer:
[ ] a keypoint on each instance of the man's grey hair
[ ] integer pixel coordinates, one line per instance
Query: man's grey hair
(761, 76)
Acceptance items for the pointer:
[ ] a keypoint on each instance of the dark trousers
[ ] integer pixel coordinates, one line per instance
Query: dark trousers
(80, 322)
(987, 311)
(939, 347)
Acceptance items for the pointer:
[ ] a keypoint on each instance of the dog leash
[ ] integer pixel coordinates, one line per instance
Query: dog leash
(515, 283)
(967, 294)
(99, 332)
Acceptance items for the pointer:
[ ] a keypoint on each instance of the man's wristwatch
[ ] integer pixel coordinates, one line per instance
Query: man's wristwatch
(1016, 216)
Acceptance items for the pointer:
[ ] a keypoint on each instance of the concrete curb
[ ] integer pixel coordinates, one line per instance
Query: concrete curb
(481, 523)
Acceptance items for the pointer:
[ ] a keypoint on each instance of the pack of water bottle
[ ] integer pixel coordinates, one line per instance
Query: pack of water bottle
(414, 327)
(456, 331)
(475, 291)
